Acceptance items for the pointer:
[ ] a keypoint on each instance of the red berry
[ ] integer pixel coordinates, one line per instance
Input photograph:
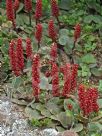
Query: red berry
(70, 107)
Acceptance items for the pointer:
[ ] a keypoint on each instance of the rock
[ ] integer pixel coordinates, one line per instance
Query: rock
(68, 133)
(50, 132)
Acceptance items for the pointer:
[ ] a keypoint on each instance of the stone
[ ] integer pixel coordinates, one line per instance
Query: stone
(68, 133)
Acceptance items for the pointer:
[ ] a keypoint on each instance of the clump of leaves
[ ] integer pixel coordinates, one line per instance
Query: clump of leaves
(40, 123)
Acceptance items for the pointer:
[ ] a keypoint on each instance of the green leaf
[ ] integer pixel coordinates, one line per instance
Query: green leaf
(66, 102)
(53, 108)
(100, 103)
(29, 64)
(32, 114)
(45, 113)
(96, 72)
(4, 48)
(63, 40)
(19, 102)
(74, 105)
(40, 107)
(16, 82)
(44, 84)
(64, 32)
(65, 4)
(64, 119)
(1, 41)
(97, 19)
(88, 59)
(20, 7)
(88, 19)
(100, 86)
(78, 127)
(60, 129)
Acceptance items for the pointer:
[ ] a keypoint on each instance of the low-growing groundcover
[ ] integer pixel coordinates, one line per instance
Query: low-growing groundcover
(50, 63)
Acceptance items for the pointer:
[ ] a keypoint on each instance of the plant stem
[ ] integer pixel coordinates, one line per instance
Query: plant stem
(38, 45)
(71, 55)
(30, 20)
(58, 21)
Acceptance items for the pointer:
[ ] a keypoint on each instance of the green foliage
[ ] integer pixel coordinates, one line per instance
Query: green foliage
(40, 123)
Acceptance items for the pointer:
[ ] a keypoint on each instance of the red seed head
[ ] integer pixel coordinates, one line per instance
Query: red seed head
(10, 11)
(20, 57)
(28, 5)
(52, 31)
(38, 33)
(28, 48)
(38, 10)
(66, 70)
(53, 52)
(55, 80)
(88, 100)
(54, 8)
(36, 75)
(77, 32)
(74, 76)
(16, 5)
(13, 58)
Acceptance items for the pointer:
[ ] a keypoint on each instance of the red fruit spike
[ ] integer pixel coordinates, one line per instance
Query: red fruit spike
(55, 80)
(38, 10)
(20, 57)
(74, 76)
(10, 12)
(51, 31)
(38, 33)
(36, 76)
(16, 5)
(28, 48)
(53, 52)
(13, 58)
(54, 8)
(28, 5)
(77, 32)
(67, 80)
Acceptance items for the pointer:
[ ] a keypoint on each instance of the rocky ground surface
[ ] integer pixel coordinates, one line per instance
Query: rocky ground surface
(14, 123)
